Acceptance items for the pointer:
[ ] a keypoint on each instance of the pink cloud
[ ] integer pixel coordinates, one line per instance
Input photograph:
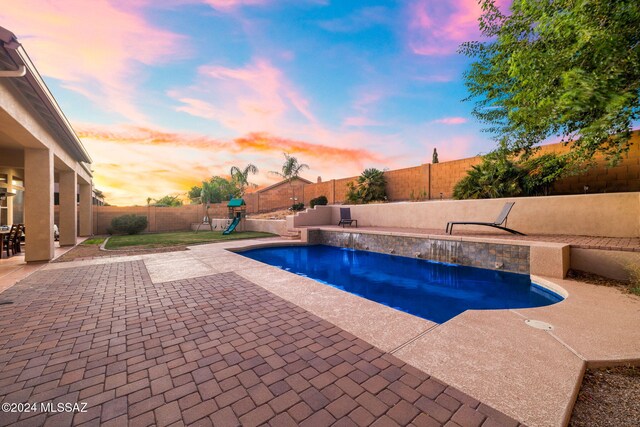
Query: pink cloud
(229, 4)
(93, 47)
(257, 97)
(151, 152)
(451, 120)
(452, 148)
(438, 28)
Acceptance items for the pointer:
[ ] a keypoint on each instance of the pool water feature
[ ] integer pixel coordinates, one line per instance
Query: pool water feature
(431, 290)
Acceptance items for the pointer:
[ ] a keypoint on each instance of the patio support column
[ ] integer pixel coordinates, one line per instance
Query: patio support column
(38, 204)
(9, 200)
(86, 227)
(68, 185)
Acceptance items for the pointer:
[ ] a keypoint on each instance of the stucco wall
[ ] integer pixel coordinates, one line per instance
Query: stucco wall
(278, 227)
(613, 215)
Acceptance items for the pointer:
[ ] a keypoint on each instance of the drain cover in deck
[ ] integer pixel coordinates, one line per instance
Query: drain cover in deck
(539, 325)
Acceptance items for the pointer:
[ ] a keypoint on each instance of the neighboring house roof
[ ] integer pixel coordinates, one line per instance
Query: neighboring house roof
(236, 203)
(32, 86)
(277, 184)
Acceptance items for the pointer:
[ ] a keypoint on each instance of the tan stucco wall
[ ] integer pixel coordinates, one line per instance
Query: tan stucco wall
(612, 215)
(278, 227)
(614, 264)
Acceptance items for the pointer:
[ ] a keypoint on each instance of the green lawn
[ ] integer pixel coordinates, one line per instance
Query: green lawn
(157, 240)
(94, 241)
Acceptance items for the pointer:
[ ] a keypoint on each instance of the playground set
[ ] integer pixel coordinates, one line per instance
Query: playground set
(237, 209)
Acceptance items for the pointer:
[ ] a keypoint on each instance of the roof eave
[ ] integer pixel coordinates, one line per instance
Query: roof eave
(17, 53)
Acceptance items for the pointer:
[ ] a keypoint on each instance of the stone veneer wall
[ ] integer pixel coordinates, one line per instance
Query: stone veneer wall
(512, 258)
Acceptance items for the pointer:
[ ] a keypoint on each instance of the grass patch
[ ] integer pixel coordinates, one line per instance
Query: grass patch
(94, 241)
(158, 240)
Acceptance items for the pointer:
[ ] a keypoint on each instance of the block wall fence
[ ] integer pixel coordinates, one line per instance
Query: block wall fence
(424, 182)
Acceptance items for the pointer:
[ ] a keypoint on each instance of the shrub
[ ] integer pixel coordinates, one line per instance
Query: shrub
(318, 201)
(129, 224)
(370, 187)
(297, 207)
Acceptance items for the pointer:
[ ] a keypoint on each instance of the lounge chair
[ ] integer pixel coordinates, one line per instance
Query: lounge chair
(502, 218)
(345, 217)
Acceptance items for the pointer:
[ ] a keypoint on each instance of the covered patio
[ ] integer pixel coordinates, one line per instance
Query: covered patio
(38, 151)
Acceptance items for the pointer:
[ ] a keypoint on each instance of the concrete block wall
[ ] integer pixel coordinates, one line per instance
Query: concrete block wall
(603, 179)
(160, 219)
(408, 183)
(311, 191)
(444, 176)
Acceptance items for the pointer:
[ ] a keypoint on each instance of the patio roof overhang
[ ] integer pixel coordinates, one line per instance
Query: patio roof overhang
(13, 57)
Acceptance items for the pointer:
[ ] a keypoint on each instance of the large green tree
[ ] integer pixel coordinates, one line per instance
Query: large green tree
(568, 68)
(217, 189)
(168, 200)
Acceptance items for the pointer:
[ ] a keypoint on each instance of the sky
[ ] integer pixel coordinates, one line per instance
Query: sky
(167, 93)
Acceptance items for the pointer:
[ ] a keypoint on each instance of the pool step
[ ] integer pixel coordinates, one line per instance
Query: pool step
(292, 235)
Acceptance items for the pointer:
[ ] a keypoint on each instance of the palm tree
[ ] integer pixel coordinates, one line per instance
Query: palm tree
(291, 170)
(241, 176)
(370, 187)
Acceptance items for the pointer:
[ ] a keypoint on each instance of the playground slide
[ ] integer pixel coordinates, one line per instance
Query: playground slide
(232, 226)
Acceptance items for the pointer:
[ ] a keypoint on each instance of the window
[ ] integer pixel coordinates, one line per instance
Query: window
(17, 181)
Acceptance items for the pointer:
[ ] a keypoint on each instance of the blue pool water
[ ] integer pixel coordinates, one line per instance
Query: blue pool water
(431, 290)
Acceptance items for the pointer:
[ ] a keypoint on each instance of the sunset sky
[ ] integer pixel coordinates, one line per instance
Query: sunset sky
(166, 93)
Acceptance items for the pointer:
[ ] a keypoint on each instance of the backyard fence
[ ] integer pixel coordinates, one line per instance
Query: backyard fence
(424, 182)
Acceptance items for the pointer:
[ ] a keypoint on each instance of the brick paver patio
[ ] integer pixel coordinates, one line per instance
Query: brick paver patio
(214, 350)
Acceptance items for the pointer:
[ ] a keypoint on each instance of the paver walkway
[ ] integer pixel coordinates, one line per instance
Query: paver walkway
(212, 350)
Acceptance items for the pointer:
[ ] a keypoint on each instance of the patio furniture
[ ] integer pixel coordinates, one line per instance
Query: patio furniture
(11, 240)
(345, 217)
(502, 218)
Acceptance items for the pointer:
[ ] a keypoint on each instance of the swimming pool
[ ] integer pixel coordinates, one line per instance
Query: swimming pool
(431, 290)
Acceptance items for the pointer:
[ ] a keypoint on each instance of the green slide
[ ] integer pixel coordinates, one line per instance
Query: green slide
(232, 226)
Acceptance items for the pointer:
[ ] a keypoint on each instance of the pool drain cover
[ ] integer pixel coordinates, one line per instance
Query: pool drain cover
(539, 325)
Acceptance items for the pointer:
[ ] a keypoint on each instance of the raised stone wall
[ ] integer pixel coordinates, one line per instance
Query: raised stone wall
(494, 256)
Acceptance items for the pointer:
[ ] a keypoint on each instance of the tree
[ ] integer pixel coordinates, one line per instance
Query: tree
(241, 177)
(496, 176)
(168, 200)
(217, 189)
(194, 194)
(369, 187)
(500, 174)
(291, 169)
(568, 68)
(542, 172)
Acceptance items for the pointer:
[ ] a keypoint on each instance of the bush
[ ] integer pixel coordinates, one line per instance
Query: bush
(129, 224)
(297, 207)
(319, 201)
(369, 187)
(501, 174)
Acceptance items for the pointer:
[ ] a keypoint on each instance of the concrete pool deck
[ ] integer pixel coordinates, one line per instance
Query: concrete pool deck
(529, 374)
